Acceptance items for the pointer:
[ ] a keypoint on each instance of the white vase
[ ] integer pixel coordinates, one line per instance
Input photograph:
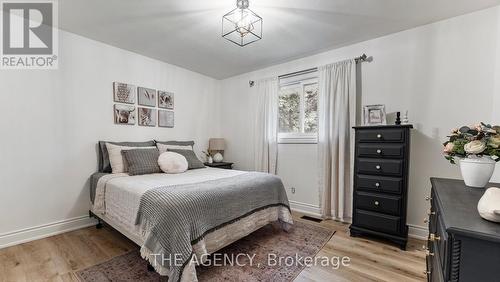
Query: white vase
(489, 205)
(218, 158)
(477, 171)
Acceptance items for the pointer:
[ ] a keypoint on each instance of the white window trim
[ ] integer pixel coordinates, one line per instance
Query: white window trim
(299, 138)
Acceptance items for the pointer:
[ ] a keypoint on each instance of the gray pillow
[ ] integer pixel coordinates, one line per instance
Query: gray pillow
(141, 161)
(192, 159)
(177, 143)
(104, 165)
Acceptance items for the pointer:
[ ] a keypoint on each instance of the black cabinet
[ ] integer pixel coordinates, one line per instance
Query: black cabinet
(461, 246)
(381, 166)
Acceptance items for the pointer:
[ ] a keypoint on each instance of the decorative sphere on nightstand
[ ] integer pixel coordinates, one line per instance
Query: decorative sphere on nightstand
(218, 158)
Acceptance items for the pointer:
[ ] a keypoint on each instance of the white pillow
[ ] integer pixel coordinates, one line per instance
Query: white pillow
(163, 147)
(118, 165)
(171, 162)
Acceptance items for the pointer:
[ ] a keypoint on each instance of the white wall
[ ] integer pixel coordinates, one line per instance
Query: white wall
(52, 120)
(443, 73)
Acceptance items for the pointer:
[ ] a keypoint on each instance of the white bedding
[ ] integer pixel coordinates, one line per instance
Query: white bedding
(118, 195)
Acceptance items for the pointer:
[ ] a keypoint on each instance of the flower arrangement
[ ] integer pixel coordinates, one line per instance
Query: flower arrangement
(478, 140)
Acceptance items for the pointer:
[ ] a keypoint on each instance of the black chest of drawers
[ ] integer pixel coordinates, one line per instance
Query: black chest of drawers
(462, 246)
(381, 164)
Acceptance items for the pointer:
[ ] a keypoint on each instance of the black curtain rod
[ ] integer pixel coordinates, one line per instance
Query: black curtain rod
(360, 59)
(298, 72)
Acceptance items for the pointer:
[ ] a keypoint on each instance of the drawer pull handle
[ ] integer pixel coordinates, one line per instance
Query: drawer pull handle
(429, 253)
(379, 136)
(428, 198)
(377, 167)
(433, 237)
(427, 272)
(426, 220)
(431, 213)
(379, 151)
(376, 203)
(377, 184)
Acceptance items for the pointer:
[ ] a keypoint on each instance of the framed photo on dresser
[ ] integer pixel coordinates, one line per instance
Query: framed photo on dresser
(374, 115)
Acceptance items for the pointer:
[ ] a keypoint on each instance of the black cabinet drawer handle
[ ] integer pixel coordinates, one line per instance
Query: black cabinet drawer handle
(376, 203)
(379, 136)
(379, 151)
(377, 167)
(377, 184)
(433, 237)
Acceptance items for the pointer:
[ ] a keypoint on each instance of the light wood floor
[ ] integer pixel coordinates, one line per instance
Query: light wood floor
(57, 258)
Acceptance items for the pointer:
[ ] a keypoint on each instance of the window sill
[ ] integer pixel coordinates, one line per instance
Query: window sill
(298, 140)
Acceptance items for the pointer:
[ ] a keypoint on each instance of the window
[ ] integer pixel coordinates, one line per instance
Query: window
(298, 108)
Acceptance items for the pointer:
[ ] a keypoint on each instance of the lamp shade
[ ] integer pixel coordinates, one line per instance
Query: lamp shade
(216, 144)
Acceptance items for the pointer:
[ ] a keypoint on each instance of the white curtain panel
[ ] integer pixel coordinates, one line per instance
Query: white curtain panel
(266, 126)
(337, 115)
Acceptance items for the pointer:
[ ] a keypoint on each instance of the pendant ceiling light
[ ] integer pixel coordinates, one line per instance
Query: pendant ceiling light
(242, 26)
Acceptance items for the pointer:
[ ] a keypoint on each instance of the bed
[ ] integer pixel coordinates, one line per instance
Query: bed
(163, 212)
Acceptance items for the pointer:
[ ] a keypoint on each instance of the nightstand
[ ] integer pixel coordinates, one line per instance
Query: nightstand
(223, 165)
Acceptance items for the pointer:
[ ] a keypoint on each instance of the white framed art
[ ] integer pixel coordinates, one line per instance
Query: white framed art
(166, 118)
(147, 116)
(124, 114)
(374, 115)
(124, 93)
(146, 96)
(165, 100)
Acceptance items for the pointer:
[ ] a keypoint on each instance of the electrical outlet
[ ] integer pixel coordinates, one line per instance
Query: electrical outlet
(292, 189)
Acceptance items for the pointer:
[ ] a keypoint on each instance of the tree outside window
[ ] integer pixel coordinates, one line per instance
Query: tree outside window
(298, 111)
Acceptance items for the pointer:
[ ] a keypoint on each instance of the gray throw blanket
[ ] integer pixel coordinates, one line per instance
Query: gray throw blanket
(94, 178)
(177, 217)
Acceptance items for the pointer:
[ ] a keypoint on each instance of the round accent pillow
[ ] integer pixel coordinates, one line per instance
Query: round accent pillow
(171, 162)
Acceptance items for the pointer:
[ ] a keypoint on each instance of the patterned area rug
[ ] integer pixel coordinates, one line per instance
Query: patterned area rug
(303, 240)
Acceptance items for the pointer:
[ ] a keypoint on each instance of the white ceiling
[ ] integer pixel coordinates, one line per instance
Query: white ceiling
(187, 33)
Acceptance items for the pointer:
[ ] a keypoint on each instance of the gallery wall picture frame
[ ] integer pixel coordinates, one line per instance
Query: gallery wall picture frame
(166, 118)
(165, 100)
(124, 93)
(374, 115)
(146, 96)
(124, 114)
(146, 116)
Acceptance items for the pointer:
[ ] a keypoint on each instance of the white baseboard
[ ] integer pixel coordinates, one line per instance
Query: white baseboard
(305, 208)
(45, 230)
(418, 232)
(414, 231)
